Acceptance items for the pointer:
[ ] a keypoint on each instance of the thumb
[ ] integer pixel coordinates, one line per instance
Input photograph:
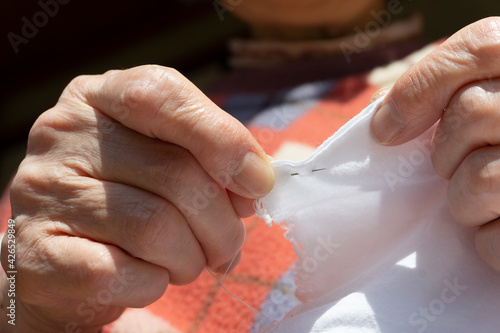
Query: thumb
(420, 96)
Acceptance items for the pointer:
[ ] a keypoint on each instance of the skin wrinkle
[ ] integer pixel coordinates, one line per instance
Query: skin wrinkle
(486, 41)
(45, 267)
(72, 199)
(180, 168)
(456, 56)
(190, 114)
(171, 174)
(143, 228)
(487, 245)
(472, 185)
(189, 164)
(96, 273)
(45, 133)
(150, 245)
(484, 178)
(176, 90)
(76, 91)
(135, 96)
(195, 119)
(480, 43)
(413, 94)
(226, 133)
(474, 105)
(32, 243)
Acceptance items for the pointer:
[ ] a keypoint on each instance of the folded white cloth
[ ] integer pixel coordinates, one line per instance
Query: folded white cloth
(378, 248)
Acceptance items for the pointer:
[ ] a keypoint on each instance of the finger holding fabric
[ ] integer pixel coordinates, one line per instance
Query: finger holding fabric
(125, 189)
(473, 164)
(466, 149)
(456, 84)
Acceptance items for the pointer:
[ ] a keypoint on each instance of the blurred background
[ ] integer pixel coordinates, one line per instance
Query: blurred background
(91, 37)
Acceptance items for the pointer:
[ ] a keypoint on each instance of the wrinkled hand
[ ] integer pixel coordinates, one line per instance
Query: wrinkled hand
(134, 180)
(458, 84)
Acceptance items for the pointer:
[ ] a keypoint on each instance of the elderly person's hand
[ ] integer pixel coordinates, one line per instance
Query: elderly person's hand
(458, 84)
(134, 180)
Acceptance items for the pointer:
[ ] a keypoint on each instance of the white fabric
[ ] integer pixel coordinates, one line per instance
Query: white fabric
(379, 250)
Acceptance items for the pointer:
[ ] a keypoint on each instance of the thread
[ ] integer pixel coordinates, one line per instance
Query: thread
(254, 310)
(313, 170)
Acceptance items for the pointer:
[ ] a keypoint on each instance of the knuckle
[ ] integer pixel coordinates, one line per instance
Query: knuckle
(96, 272)
(188, 271)
(190, 274)
(478, 175)
(490, 24)
(146, 227)
(22, 180)
(139, 92)
(470, 47)
(147, 84)
(227, 244)
(43, 133)
(176, 169)
(38, 186)
(112, 72)
(476, 103)
(470, 97)
(55, 128)
(27, 182)
(76, 87)
(486, 33)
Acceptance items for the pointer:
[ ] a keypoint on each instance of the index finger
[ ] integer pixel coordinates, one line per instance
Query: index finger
(161, 103)
(419, 97)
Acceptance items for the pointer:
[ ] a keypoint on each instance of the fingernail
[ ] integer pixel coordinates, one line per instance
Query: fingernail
(379, 93)
(386, 124)
(254, 175)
